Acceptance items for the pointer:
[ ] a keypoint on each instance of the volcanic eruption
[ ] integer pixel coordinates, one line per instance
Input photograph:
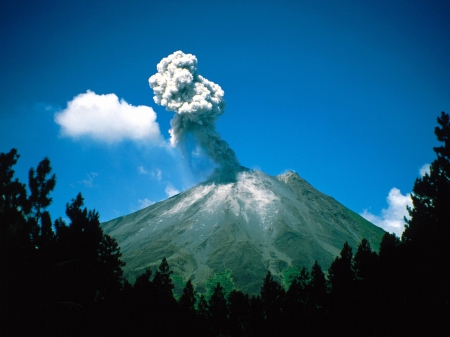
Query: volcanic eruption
(239, 219)
(197, 104)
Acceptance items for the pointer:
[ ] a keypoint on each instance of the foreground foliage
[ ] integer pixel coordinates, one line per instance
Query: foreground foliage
(66, 279)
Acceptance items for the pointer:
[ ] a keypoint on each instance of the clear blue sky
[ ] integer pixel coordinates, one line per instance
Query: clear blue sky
(346, 93)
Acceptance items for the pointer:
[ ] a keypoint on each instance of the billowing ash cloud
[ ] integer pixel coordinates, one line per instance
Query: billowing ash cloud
(197, 103)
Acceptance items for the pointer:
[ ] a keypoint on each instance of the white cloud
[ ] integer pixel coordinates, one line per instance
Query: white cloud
(142, 170)
(157, 174)
(170, 190)
(424, 169)
(391, 218)
(89, 181)
(145, 203)
(106, 118)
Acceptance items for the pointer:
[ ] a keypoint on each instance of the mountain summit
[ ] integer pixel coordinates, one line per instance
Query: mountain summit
(242, 220)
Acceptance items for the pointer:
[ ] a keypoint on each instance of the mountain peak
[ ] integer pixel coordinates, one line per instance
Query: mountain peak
(288, 176)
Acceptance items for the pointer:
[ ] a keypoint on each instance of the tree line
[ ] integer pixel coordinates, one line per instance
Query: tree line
(66, 279)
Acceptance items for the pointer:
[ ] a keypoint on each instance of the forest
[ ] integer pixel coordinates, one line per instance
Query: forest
(66, 279)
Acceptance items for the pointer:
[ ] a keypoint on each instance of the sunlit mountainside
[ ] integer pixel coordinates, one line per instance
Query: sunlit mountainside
(242, 220)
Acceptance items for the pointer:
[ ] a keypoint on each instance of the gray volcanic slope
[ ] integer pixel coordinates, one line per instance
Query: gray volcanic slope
(245, 221)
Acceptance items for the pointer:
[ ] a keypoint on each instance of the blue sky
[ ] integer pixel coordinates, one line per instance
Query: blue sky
(346, 93)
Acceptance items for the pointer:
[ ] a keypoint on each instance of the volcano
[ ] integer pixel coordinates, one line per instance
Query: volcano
(240, 220)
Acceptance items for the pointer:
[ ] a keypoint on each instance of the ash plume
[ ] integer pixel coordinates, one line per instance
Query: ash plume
(197, 104)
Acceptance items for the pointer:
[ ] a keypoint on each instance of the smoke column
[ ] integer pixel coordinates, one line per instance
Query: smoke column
(197, 104)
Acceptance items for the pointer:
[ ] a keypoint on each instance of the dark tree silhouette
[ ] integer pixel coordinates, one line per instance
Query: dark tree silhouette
(341, 275)
(110, 269)
(164, 304)
(202, 321)
(298, 291)
(140, 305)
(318, 298)
(187, 309)
(143, 293)
(239, 313)
(391, 282)
(365, 293)
(297, 301)
(40, 188)
(257, 326)
(187, 299)
(272, 299)
(341, 278)
(86, 270)
(203, 308)
(388, 247)
(25, 230)
(16, 247)
(78, 246)
(143, 285)
(163, 281)
(430, 213)
(317, 288)
(218, 311)
(365, 262)
(51, 280)
(425, 240)
(14, 208)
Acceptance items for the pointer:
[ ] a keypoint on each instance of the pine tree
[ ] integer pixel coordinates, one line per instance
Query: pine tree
(341, 279)
(187, 309)
(40, 187)
(17, 252)
(163, 281)
(425, 249)
(317, 304)
(14, 207)
(218, 311)
(203, 308)
(296, 301)
(389, 246)
(391, 283)
(187, 299)
(164, 304)
(50, 278)
(110, 269)
(89, 265)
(140, 305)
(317, 288)
(390, 269)
(297, 294)
(365, 263)
(366, 292)
(340, 273)
(272, 298)
(239, 313)
(257, 322)
(143, 285)
(430, 214)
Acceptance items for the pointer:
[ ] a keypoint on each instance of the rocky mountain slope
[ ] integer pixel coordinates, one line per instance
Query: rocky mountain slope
(242, 220)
